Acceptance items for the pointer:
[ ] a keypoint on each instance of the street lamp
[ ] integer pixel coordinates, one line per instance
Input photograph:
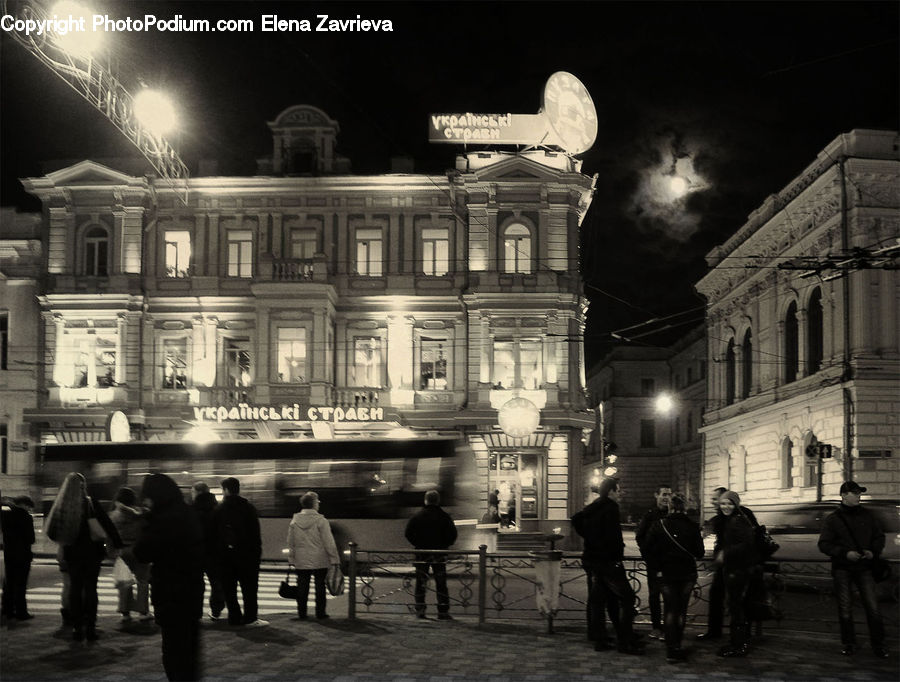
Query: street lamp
(664, 403)
(81, 44)
(154, 111)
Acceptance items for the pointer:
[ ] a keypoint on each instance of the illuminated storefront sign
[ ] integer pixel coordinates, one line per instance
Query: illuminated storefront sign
(264, 413)
(500, 128)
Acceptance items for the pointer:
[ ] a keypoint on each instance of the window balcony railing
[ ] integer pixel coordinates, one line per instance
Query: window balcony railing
(293, 269)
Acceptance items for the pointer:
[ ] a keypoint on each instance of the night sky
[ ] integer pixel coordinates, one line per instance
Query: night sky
(738, 98)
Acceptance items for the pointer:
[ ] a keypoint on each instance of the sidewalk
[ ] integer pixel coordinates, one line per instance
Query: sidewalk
(406, 649)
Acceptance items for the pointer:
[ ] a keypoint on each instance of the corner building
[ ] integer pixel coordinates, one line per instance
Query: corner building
(802, 333)
(346, 305)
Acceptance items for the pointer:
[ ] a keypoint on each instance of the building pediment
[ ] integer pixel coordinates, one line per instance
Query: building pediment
(303, 116)
(91, 173)
(512, 167)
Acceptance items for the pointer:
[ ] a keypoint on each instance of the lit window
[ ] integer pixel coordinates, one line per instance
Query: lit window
(96, 252)
(237, 362)
(433, 365)
(178, 253)
(303, 244)
(291, 354)
(368, 252)
(87, 360)
(518, 364)
(435, 252)
(174, 365)
(240, 253)
(517, 249)
(367, 362)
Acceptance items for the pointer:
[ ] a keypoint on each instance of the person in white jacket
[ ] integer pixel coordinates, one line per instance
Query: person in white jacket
(312, 551)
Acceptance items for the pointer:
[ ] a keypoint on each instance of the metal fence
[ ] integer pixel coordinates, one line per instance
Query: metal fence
(505, 585)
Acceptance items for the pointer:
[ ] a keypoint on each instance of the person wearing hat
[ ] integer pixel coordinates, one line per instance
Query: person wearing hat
(599, 524)
(18, 537)
(739, 560)
(852, 536)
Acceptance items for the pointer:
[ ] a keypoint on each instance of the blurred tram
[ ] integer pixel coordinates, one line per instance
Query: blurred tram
(368, 488)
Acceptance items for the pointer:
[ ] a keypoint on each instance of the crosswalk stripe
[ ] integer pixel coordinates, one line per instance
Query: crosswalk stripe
(46, 599)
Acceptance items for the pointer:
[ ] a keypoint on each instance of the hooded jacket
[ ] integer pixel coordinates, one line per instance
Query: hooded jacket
(599, 525)
(171, 540)
(864, 532)
(311, 542)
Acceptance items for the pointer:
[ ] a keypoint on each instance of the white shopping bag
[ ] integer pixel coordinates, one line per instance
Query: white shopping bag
(122, 575)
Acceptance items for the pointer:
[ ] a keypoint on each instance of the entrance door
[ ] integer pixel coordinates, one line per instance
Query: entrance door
(518, 476)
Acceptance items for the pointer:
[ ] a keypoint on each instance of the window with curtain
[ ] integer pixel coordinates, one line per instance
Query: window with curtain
(240, 253)
(291, 354)
(303, 244)
(238, 362)
(518, 364)
(88, 359)
(96, 252)
(435, 252)
(433, 365)
(367, 362)
(369, 252)
(174, 363)
(517, 249)
(178, 253)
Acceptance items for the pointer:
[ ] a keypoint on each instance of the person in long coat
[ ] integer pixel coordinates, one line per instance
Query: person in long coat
(312, 552)
(740, 562)
(68, 524)
(172, 541)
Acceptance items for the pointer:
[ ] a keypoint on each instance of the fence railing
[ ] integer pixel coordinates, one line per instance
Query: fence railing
(506, 585)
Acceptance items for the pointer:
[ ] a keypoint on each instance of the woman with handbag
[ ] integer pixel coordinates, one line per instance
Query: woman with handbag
(312, 552)
(674, 543)
(740, 561)
(81, 526)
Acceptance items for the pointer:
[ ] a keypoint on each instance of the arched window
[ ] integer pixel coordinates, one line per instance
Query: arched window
(96, 252)
(517, 249)
(814, 332)
(729, 373)
(791, 344)
(746, 364)
(787, 463)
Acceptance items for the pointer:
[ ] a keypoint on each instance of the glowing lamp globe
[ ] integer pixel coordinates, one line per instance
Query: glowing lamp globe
(519, 417)
(77, 43)
(155, 112)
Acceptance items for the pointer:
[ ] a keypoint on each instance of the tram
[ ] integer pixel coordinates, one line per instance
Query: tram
(368, 488)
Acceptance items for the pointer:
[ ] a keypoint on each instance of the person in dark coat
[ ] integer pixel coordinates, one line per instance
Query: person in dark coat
(239, 547)
(674, 544)
(654, 577)
(600, 526)
(716, 595)
(204, 505)
(739, 560)
(431, 528)
(18, 537)
(852, 536)
(171, 540)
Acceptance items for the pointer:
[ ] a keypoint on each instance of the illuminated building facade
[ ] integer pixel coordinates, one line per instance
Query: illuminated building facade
(802, 328)
(307, 302)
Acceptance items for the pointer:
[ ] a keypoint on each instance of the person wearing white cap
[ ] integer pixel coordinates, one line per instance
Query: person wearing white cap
(852, 536)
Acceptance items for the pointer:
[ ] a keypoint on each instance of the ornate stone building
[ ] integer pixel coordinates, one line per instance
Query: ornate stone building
(308, 302)
(802, 328)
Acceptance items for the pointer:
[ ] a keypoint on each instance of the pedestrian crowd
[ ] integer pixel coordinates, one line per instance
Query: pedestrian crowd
(163, 547)
(671, 543)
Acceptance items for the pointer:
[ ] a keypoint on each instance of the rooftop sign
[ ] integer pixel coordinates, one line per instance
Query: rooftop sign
(265, 413)
(567, 120)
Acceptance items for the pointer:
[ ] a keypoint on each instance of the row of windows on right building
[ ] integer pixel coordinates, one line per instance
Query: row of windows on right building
(796, 326)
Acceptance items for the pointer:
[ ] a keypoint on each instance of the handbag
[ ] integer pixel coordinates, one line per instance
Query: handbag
(286, 590)
(122, 575)
(765, 543)
(334, 580)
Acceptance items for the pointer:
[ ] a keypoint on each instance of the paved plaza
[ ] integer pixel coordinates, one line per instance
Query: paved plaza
(405, 649)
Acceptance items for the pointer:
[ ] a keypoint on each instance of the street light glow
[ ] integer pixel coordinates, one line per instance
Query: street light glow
(155, 112)
(77, 43)
(664, 403)
(201, 434)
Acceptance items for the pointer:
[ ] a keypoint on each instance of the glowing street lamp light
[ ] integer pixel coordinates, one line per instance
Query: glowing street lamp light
(201, 435)
(77, 43)
(155, 113)
(664, 403)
